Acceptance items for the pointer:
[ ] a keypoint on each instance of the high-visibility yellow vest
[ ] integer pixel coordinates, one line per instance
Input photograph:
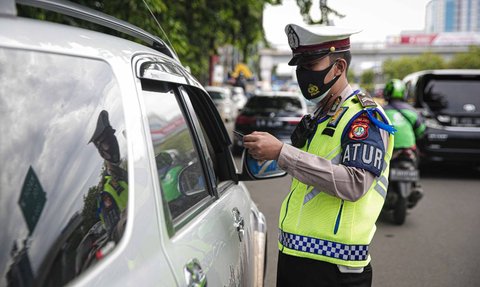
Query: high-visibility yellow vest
(120, 198)
(316, 225)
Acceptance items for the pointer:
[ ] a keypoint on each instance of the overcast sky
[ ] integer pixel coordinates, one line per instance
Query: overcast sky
(377, 18)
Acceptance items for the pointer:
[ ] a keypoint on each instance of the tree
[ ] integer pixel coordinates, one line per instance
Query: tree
(398, 69)
(366, 80)
(467, 60)
(305, 7)
(429, 60)
(195, 28)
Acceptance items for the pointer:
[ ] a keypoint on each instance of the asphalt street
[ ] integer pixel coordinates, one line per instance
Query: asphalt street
(437, 246)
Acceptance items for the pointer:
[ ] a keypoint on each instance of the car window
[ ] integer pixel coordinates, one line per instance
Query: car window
(443, 94)
(64, 179)
(274, 103)
(175, 152)
(217, 95)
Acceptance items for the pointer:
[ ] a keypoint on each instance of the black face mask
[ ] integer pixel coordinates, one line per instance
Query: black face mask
(312, 85)
(107, 146)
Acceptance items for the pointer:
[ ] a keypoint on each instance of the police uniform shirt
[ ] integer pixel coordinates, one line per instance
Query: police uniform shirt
(348, 180)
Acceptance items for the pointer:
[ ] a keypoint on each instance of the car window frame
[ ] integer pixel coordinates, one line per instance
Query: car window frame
(175, 224)
(209, 117)
(152, 69)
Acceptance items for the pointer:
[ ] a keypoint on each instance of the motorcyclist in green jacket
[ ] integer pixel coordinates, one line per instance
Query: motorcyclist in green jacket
(409, 124)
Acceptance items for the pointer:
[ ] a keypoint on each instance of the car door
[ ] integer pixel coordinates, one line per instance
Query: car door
(206, 214)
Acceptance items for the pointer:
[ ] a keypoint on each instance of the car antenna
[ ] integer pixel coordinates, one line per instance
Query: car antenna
(160, 26)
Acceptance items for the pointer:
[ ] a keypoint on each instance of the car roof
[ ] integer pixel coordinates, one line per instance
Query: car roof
(218, 89)
(63, 39)
(277, 94)
(418, 74)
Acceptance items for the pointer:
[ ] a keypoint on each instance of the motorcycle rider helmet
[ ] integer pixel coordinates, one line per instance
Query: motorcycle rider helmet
(394, 90)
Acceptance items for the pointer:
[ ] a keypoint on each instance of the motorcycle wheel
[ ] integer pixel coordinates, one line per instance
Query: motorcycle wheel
(400, 211)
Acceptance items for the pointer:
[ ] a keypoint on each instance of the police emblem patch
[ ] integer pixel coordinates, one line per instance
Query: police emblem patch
(359, 128)
(293, 39)
(312, 90)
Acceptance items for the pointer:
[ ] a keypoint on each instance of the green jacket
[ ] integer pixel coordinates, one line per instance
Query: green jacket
(408, 123)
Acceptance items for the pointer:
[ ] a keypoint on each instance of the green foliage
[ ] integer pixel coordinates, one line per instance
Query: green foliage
(89, 212)
(194, 28)
(428, 61)
(367, 79)
(350, 76)
(405, 65)
(468, 60)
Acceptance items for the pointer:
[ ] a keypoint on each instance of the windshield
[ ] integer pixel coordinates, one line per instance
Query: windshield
(217, 95)
(274, 103)
(452, 95)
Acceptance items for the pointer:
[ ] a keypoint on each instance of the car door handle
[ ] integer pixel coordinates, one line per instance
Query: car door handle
(194, 274)
(238, 223)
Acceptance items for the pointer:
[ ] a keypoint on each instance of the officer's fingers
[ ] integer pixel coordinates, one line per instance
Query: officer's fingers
(249, 144)
(249, 138)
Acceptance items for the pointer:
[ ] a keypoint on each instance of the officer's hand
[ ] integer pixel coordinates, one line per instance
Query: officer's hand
(262, 145)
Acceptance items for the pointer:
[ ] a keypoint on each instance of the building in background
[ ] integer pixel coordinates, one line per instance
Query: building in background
(452, 16)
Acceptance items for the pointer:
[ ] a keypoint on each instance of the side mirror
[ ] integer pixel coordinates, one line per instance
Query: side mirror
(259, 169)
(191, 179)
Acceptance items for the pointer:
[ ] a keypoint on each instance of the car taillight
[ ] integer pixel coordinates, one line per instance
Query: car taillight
(244, 120)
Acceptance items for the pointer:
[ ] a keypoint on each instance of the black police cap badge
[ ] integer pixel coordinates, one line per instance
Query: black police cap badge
(293, 39)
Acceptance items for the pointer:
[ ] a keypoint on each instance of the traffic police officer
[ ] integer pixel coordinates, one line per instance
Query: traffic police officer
(339, 161)
(113, 197)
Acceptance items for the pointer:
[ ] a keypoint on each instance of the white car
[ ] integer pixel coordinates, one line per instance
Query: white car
(116, 167)
(239, 97)
(222, 97)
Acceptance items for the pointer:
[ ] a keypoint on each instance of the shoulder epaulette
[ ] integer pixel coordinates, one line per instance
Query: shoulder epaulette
(365, 100)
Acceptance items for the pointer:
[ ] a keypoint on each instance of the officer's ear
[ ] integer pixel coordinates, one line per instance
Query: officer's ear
(341, 66)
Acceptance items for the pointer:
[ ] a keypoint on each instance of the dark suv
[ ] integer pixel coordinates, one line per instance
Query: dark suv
(450, 103)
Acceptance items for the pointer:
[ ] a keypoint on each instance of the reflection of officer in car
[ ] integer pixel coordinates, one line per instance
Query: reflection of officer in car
(339, 163)
(113, 187)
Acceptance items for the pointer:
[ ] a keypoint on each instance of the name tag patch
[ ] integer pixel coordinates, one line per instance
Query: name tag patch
(364, 156)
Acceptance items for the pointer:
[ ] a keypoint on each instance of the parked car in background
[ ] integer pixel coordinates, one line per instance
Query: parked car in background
(275, 112)
(116, 166)
(222, 97)
(450, 102)
(239, 98)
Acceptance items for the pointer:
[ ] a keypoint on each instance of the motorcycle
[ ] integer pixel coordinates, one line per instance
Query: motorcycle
(404, 190)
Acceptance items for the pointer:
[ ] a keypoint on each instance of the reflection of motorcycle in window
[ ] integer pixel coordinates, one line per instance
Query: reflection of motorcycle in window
(404, 191)
(169, 167)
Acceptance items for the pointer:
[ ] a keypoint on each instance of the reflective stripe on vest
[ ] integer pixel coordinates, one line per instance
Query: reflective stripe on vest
(324, 247)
